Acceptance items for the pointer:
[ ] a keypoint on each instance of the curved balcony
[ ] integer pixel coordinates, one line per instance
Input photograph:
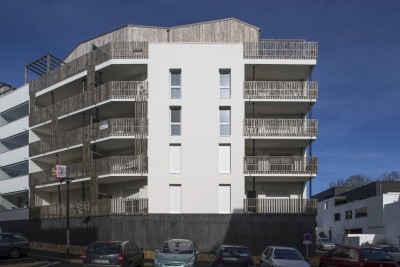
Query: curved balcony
(114, 165)
(280, 165)
(129, 90)
(281, 90)
(285, 128)
(126, 127)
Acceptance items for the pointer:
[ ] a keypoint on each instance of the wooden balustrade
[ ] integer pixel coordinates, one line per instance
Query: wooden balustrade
(280, 206)
(281, 127)
(280, 49)
(289, 90)
(130, 90)
(280, 165)
(101, 207)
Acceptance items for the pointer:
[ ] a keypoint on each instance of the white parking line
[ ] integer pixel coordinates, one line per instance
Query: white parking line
(20, 259)
(50, 264)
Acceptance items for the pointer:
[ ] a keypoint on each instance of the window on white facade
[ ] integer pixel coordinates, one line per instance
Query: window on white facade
(225, 83)
(224, 156)
(175, 120)
(337, 217)
(225, 121)
(175, 198)
(361, 212)
(175, 83)
(325, 205)
(224, 203)
(175, 158)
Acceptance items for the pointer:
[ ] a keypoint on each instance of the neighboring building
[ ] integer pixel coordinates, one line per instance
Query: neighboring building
(202, 118)
(14, 157)
(369, 209)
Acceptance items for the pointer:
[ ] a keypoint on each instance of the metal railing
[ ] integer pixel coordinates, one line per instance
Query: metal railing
(114, 165)
(280, 90)
(101, 207)
(280, 206)
(280, 49)
(280, 165)
(103, 129)
(129, 90)
(280, 127)
(114, 50)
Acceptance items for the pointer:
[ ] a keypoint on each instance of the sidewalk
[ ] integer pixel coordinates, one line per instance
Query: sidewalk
(61, 257)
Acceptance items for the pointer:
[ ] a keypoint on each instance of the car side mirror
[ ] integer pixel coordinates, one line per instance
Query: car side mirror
(197, 252)
(157, 251)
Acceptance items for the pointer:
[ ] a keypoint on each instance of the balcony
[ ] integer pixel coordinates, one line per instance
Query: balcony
(128, 90)
(280, 206)
(280, 165)
(109, 128)
(280, 49)
(284, 128)
(281, 90)
(116, 50)
(102, 207)
(109, 166)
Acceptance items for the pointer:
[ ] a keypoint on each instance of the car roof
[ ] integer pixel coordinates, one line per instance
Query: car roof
(360, 247)
(109, 242)
(178, 240)
(232, 246)
(280, 247)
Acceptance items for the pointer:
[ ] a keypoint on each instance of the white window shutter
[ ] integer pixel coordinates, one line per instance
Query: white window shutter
(224, 159)
(175, 199)
(224, 199)
(175, 159)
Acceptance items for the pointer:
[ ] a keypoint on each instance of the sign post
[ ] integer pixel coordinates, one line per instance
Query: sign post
(307, 241)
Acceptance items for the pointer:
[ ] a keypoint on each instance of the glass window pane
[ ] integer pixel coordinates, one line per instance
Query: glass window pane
(225, 129)
(224, 115)
(175, 93)
(225, 79)
(175, 129)
(175, 115)
(175, 79)
(225, 93)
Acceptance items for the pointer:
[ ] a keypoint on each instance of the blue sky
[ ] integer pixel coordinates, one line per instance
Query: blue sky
(358, 68)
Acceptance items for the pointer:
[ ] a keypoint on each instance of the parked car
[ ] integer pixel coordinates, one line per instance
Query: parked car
(392, 250)
(233, 255)
(357, 256)
(13, 245)
(282, 256)
(176, 252)
(324, 243)
(113, 253)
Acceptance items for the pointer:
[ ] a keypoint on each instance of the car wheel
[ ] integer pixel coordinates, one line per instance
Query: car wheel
(14, 253)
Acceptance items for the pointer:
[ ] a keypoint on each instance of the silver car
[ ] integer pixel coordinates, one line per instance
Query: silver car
(177, 253)
(325, 244)
(282, 256)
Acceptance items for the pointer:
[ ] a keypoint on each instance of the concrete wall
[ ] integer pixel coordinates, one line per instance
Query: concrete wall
(206, 230)
(392, 219)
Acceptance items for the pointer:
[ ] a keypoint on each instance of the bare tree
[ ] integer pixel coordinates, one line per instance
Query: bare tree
(354, 180)
(391, 176)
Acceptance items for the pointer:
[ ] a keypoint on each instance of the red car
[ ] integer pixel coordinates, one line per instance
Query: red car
(357, 257)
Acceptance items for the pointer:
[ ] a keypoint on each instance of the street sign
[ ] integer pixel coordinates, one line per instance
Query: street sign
(61, 171)
(307, 237)
(307, 242)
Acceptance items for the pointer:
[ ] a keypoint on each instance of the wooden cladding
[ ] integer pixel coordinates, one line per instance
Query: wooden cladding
(280, 128)
(280, 206)
(280, 165)
(129, 90)
(114, 165)
(107, 128)
(289, 90)
(280, 49)
(130, 50)
(101, 207)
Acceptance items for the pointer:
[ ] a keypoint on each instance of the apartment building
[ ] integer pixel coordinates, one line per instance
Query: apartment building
(200, 118)
(371, 210)
(14, 157)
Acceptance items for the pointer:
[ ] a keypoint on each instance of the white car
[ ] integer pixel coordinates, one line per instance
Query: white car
(282, 257)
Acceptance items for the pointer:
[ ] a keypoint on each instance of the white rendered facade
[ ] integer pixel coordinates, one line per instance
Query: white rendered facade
(197, 128)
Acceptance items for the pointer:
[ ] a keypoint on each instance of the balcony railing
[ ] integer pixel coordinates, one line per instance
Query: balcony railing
(114, 165)
(117, 50)
(102, 207)
(280, 128)
(107, 128)
(280, 206)
(280, 49)
(280, 90)
(129, 90)
(285, 165)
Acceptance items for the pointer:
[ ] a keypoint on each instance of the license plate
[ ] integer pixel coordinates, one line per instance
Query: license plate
(101, 261)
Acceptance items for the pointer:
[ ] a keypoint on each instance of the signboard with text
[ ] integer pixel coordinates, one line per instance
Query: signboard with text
(61, 171)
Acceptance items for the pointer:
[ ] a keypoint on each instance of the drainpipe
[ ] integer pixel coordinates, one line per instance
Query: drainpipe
(254, 141)
(310, 146)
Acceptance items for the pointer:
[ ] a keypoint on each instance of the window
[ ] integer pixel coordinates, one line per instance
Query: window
(349, 214)
(325, 205)
(337, 216)
(175, 117)
(175, 201)
(225, 121)
(224, 198)
(225, 83)
(175, 158)
(361, 212)
(175, 83)
(224, 158)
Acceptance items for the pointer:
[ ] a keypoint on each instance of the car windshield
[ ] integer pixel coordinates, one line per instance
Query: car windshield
(391, 249)
(177, 247)
(374, 254)
(287, 254)
(104, 248)
(237, 252)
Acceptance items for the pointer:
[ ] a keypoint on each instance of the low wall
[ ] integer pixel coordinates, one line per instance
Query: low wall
(206, 230)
